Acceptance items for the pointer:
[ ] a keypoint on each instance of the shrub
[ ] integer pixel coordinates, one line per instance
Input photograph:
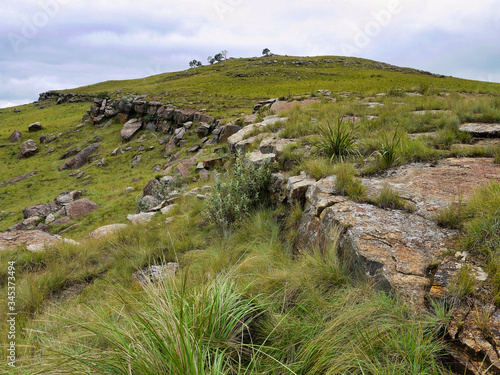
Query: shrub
(463, 284)
(389, 149)
(102, 95)
(337, 141)
(234, 196)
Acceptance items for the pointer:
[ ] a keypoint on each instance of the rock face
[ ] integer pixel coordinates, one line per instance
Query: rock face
(242, 139)
(130, 128)
(81, 158)
(35, 127)
(81, 207)
(34, 240)
(481, 130)
(28, 148)
(15, 136)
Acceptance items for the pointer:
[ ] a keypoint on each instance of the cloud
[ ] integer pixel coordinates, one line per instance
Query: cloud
(67, 43)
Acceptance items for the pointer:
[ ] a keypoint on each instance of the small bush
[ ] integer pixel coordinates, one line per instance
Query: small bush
(102, 95)
(347, 183)
(231, 198)
(388, 153)
(390, 199)
(337, 141)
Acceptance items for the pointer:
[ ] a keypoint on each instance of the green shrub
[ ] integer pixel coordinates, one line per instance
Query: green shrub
(232, 197)
(388, 153)
(102, 95)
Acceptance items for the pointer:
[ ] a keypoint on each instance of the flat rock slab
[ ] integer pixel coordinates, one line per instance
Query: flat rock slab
(395, 247)
(430, 188)
(481, 130)
(34, 240)
(81, 207)
(19, 178)
(281, 106)
(106, 230)
(130, 129)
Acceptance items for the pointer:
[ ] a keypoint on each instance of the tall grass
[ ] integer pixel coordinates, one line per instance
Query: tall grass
(337, 142)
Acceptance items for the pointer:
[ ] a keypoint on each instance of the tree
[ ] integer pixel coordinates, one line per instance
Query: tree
(195, 63)
(221, 56)
(266, 51)
(211, 60)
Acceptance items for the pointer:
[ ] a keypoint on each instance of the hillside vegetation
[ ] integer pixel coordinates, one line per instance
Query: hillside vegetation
(248, 296)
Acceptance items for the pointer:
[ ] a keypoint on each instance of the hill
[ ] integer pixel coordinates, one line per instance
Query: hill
(359, 177)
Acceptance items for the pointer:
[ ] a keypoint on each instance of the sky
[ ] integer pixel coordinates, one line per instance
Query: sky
(61, 44)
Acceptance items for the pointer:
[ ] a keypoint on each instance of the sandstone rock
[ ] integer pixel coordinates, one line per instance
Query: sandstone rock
(194, 149)
(183, 115)
(36, 126)
(130, 128)
(136, 159)
(50, 219)
(182, 170)
(274, 145)
(148, 203)
(62, 221)
(18, 178)
(179, 134)
(153, 187)
(67, 197)
(227, 131)
(165, 210)
(69, 154)
(239, 141)
(99, 119)
(28, 148)
(34, 240)
(430, 187)
(80, 207)
(249, 119)
(142, 218)
(15, 136)
(203, 130)
(204, 175)
(121, 118)
(81, 158)
(257, 157)
(481, 130)
(297, 186)
(169, 147)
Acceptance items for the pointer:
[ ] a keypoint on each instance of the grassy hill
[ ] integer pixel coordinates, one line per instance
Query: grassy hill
(301, 307)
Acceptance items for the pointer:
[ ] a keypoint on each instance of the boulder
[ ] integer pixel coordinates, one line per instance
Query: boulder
(28, 148)
(41, 210)
(130, 128)
(213, 163)
(43, 138)
(153, 187)
(81, 207)
(257, 157)
(15, 136)
(36, 126)
(142, 218)
(121, 118)
(274, 145)
(240, 140)
(154, 274)
(203, 130)
(136, 159)
(147, 203)
(182, 170)
(81, 158)
(179, 134)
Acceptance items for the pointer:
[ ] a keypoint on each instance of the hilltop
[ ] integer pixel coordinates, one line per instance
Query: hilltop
(317, 197)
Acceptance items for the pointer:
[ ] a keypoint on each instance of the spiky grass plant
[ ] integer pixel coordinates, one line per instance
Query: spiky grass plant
(337, 141)
(389, 149)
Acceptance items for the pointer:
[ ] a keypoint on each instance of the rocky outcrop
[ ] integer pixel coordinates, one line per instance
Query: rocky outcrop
(28, 149)
(62, 97)
(34, 240)
(130, 128)
(240, 141)
(18, 178)
(481, 130)
(81, 158)
(106, 230)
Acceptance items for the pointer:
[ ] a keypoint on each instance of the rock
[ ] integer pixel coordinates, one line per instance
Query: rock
(154, 274)
(481, 130)
(169, 147)
(297, 186)
(325, 92)
(50, 219)
(204, 175)
(80, 207)
(28, 148)
(257, 157)
(179, 134)
(137, 159)
(130, 128)
(163, 140)
(41, 210)
(213, 163)
(157, 168)
(69, 154)
(249, 119)
(62, 221)
(203, 130)
(148, 202)
(129, 190)
(188, 125)
(165, 210)
(18, 178)
(274, 145)
(99, 119)
(323, 194)
(151, 126)
(194, 149)
(15, 136)
(240, 141)
(142, 218)
(121, 118)
(431, 187)
(182, 170)
(34, 240)
(67, 197)
(81, 158)
(36, 126)
(277, 187)
(31, 222)
(227, 131)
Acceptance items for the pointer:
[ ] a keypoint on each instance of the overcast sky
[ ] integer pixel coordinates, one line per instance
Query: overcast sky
(60, 44)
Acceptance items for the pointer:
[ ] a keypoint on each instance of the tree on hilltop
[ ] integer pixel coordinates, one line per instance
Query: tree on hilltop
(266, 51)
(195, 63)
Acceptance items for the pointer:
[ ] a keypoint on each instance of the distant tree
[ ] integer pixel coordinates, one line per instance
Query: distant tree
(221, 56)
(266, 51)
(195, 63)
(211, 60)
(224, 54)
